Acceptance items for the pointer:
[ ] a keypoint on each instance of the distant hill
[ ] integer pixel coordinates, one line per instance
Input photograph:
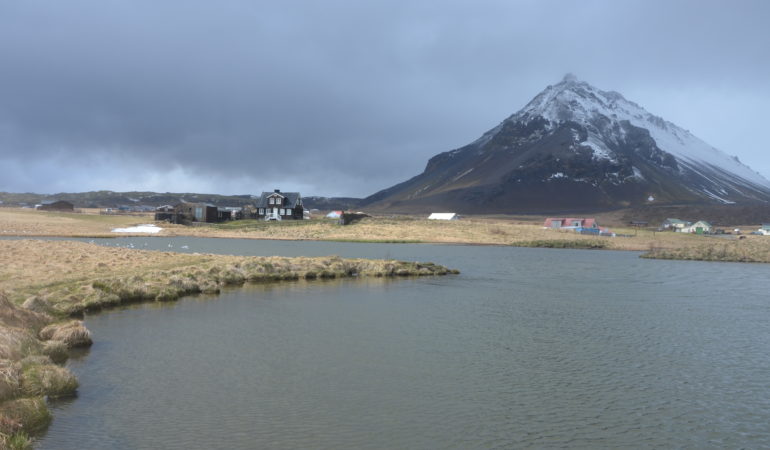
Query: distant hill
(110, 199)
(575, 147)
(331, 203)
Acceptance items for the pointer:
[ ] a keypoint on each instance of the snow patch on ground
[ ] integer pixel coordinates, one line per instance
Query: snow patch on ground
(147, 228)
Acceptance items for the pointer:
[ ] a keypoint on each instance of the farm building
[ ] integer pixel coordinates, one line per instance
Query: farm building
(165, 212)
(55, 205)
(230, 213)
(186, 213)
(279, 205)
(674, 224)
(443, 216)
(570, 222)
(334, 214)
(764, 229)
(699, 227)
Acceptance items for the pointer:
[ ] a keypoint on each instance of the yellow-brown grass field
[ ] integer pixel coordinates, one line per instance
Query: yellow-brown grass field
(526, 231)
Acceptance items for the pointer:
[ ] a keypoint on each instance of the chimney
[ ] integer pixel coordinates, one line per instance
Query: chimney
(277, 191)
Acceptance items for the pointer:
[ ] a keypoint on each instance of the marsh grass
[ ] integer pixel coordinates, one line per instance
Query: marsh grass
(755, 249)
(577, 244)
(29, 414)
(42, 377)
(72, 334)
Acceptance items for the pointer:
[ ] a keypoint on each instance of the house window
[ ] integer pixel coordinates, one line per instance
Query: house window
(281, 212)
(261, 211)
(271, 201)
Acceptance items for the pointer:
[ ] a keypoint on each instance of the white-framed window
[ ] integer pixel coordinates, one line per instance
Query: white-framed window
(261, 211)
(271, 201)
(281, 211)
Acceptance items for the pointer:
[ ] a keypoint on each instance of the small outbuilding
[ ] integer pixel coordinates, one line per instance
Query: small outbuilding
(443, 216)
(334, 215)
(570, 222)
(186, 213)
(674, 224)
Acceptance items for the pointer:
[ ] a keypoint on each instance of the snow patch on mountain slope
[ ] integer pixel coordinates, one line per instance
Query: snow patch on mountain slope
(580, 102)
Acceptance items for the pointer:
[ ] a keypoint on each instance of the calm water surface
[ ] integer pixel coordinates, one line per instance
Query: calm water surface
(527, 348)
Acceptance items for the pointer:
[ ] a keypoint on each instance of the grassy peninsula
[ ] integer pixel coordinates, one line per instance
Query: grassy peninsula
(46, 286)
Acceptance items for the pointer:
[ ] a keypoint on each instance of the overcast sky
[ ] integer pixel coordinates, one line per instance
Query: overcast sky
(344, 98)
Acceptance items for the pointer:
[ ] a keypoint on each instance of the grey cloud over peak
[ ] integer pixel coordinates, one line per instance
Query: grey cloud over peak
(339, 97)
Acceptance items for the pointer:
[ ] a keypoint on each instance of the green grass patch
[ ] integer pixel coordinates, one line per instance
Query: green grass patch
(378, 241)
(268, 224)
(719, 253)
(577, 244)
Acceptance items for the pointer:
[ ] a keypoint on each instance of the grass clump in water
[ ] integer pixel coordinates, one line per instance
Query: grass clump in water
(563, 243)
(31, 414)
(16, 441)
(39, 376)
(72, 334)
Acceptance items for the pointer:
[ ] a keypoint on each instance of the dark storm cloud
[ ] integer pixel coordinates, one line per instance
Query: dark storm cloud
(340, 98)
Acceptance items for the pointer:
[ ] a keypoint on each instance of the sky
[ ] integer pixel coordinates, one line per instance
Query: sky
(344, 98)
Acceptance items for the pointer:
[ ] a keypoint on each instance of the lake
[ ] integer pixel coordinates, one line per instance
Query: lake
(526, 348)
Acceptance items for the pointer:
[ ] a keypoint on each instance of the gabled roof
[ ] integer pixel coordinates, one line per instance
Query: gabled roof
(672, 221)
(292, 197)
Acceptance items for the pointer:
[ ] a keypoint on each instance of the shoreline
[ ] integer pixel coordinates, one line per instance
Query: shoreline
(472, 230)
(721, 250)
(46, 287)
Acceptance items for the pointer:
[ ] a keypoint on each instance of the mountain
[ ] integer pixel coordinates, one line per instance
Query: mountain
(575, 147)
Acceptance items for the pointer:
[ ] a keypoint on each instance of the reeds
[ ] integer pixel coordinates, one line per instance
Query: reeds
(756, 250)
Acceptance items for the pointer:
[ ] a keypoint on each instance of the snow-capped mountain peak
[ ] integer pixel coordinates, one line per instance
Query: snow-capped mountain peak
(575, 146)
(577, 101)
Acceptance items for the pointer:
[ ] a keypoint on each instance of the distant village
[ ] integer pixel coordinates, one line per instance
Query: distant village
(279, 206)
